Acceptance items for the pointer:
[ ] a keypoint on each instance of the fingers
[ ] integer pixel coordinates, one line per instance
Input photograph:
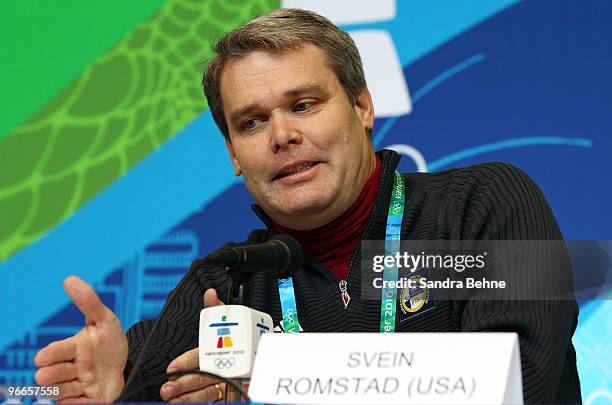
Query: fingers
(56, 352)
(187, 361)
(56, 373)
(71, 390)
(184, 385)
(209, 394)
(211, 299)
(85, 298)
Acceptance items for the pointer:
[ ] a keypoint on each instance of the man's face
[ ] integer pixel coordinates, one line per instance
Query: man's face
(297, 140)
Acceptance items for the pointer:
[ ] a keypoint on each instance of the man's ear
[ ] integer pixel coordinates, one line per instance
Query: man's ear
(232, 153)
(365, 108)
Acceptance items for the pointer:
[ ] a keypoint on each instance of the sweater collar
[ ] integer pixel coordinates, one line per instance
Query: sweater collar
(390, 160)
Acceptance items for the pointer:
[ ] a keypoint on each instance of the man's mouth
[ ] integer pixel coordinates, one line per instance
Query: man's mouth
(294, 168)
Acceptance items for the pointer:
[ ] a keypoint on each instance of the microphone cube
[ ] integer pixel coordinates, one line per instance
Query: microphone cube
(228, 340)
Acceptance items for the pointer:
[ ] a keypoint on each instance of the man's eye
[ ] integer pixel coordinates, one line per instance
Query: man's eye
(249, 124)
(301, 107)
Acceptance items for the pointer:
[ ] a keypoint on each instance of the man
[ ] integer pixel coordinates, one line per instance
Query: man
(288, 93)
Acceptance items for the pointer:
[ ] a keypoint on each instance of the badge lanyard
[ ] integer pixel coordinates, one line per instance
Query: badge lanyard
(389, 295)
(287, 299)
(388, 300)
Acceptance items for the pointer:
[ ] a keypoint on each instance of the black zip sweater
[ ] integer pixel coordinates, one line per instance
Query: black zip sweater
(493, 201)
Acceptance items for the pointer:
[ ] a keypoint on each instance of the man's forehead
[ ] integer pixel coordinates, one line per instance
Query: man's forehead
(260, 75)
(263, 67)
(292, 55)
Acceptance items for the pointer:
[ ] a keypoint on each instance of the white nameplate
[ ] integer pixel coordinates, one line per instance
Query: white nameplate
(400, 368)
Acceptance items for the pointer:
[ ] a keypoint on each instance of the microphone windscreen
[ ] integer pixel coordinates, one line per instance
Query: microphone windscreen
(296, 254)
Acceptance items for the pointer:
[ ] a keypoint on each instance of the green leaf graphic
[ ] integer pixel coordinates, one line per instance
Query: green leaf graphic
(121, 108)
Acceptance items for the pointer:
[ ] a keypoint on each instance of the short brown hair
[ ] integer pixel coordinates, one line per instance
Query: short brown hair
(278, 31)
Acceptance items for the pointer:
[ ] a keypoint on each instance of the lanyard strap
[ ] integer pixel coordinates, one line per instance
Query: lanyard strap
(287, 299)
(388, 300)
(389, 295)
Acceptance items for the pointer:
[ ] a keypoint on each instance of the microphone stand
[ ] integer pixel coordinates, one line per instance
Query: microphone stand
(238, 288)
(236, 296)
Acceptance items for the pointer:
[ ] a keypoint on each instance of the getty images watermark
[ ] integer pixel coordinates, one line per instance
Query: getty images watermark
(414, 262)
(486, 270)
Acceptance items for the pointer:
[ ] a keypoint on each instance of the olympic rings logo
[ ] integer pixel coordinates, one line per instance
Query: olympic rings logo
(396, 207)
(225, 362)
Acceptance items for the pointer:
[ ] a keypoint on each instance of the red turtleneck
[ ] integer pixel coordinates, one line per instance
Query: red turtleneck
(334, 244)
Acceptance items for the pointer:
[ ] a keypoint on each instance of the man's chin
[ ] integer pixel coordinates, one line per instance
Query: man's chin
(301, 210)
(299, 214)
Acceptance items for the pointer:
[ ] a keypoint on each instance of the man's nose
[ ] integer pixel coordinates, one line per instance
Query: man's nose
(284, 132)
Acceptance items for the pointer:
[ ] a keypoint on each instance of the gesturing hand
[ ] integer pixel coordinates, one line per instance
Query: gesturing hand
(193, 387)
(89, 365)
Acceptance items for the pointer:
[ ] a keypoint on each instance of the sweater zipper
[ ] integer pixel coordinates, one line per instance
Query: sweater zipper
(344, 295)
(345, 298)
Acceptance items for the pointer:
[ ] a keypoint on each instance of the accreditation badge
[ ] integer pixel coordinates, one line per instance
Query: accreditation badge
(416, 298)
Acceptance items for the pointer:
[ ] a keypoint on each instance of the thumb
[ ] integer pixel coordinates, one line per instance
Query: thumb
(85, 298)
(211, 299)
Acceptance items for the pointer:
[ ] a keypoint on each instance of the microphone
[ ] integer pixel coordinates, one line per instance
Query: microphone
(281, 254)
(229, 334)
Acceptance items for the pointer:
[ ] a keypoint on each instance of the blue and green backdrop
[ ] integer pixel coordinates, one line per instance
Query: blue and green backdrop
(111, 167)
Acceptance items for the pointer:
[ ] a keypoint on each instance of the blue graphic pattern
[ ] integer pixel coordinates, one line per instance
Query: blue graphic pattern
(136, 290)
